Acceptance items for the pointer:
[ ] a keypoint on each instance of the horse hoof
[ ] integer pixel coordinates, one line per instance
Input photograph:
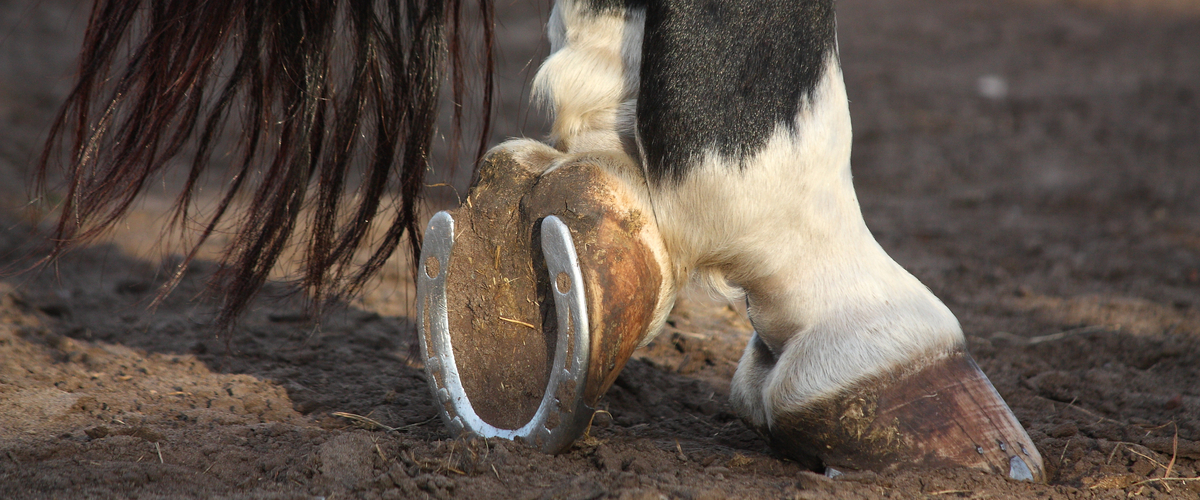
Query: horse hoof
(943, 412)
(532, 296)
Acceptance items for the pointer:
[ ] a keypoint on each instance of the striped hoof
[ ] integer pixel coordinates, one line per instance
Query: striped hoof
(941, 413)
(532, 296)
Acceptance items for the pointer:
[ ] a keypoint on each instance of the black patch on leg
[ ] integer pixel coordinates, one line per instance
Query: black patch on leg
(723, 74)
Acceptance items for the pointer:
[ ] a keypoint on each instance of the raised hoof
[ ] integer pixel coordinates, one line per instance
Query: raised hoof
(532, 296)
(942, 412)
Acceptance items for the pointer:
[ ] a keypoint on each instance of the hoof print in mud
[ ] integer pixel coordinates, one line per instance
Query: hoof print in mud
(943, 412)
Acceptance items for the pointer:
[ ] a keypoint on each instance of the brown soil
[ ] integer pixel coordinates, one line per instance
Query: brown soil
(1035, 162)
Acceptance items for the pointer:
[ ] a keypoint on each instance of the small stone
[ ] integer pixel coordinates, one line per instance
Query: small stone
(1174, 402)
(993, 87)
(813, 481)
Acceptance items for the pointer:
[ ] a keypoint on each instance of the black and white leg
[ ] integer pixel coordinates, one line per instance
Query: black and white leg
(744, 126)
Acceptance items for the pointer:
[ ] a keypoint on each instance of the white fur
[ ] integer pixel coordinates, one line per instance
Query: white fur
(786, 226)
(745, 391)
(590, 79)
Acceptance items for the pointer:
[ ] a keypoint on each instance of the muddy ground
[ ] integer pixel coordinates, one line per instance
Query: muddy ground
(1036, 163)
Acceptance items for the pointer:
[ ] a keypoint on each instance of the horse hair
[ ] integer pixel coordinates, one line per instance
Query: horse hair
(160, 81)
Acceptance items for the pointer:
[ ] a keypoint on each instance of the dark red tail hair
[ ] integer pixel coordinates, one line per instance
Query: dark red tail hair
(322, 91)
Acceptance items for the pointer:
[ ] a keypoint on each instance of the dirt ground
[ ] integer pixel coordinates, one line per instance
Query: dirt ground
(1036, 163)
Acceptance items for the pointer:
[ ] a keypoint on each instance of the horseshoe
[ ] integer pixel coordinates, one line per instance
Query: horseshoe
(531, 298)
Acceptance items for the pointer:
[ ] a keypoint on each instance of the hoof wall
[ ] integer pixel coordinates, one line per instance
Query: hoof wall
(943, 412)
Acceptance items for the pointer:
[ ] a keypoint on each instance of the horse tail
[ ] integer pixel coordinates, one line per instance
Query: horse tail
(322, 93)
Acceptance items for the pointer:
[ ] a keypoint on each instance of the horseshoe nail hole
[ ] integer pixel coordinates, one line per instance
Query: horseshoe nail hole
(562, 282)
(432, 267)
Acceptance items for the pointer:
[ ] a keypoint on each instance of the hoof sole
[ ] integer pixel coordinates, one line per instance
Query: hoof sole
(562, 414)
(531, 298)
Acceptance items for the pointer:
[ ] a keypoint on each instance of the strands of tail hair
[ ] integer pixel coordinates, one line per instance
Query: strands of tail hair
(321, 93)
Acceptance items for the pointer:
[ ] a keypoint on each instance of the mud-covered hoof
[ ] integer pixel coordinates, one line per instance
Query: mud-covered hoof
(941, 412)
(561, 414)
(531, 298)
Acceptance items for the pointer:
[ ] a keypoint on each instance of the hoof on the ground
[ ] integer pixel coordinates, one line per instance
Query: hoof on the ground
(532, 296)
(941, 412)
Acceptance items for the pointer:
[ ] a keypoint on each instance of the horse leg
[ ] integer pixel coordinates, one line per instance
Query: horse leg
(745, 130)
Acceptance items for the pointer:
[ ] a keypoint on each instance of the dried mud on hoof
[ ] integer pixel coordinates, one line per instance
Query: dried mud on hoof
(941, 412)
(533, 296)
